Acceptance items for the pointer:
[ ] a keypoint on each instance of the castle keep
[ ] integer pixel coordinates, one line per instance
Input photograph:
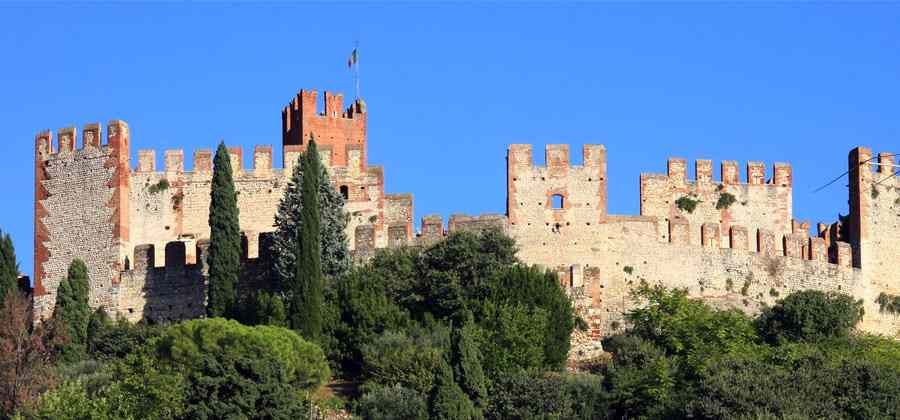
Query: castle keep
(733, 240)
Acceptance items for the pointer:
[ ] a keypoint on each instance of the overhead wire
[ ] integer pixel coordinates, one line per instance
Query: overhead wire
(836, 179)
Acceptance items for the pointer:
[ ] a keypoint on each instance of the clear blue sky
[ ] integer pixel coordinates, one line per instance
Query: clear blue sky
(449, 86)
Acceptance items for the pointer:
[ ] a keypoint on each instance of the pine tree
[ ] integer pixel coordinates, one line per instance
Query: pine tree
(9, 269)
(225, 238)
(306, 294)
(333, 225)
(73, 310)
(466, 360)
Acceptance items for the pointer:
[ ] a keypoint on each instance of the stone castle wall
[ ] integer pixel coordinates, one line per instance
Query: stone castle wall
(143, 232)
(79, 210)
(90, 204)
(758, 203)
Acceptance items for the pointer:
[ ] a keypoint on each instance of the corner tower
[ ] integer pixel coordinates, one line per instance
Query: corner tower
(81, 210)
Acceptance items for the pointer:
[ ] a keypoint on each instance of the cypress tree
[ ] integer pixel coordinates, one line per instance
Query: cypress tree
(72, 308)
(225, 238)
(333, 224)
(448, 401)
(307, 299)
(9, 269)
(466, 360)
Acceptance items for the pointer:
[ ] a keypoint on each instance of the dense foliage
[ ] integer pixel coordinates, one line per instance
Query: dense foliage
(457, 330)
(200, 369)
(441, 322)
(224, 238)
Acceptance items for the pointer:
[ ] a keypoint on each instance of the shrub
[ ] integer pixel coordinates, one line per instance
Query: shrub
(725, 201)
(688, 327)
(687, 204)
(888, 303)
(393, 403)
(810, 315)
(397, 358)
(547, 396)
(160, 186)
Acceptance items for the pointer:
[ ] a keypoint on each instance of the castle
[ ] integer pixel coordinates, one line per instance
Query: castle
(143, 231)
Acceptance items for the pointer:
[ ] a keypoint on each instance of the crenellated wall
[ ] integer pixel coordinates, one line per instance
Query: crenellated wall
(758, 203)
(143, 232)
(90, 204)
(744, 255)
(173, 203)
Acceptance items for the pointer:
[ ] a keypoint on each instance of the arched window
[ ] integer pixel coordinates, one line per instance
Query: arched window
(556, 202)
(345, 192)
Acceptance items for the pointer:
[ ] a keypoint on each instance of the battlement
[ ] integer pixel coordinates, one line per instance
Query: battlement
(66, 139)
(556, 156)
(202, 161)
(333, 127)
(187, 252)
(755, 173)
(558, 191)
(763, 242)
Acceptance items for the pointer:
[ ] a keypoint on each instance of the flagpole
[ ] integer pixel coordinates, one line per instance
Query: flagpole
(356, 68)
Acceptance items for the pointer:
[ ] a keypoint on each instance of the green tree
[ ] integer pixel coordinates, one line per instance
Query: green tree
(688, 327)
(364, 311)
(224, 238)
(448, 401)
(242, 386)
(184, 345)
(641, 379)
(306, 293)
(539, 288)
(393, 403)
(471, 257)
(465, 357)
(512, 338)
(810, 315)
(236, 371)
(72, 309)
(9, 268)
(333, 224)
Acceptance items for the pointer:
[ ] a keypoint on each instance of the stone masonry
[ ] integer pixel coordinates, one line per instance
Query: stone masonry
(143, 231)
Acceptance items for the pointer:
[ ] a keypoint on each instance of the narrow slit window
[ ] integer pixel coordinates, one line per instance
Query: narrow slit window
(557, 201)
(345, 192)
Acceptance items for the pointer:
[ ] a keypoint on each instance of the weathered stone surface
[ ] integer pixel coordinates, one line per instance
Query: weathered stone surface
(143, 233)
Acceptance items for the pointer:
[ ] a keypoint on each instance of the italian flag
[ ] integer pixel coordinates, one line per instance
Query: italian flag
(354, 57)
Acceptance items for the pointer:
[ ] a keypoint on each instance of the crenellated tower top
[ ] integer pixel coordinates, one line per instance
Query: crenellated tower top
(334, 127)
